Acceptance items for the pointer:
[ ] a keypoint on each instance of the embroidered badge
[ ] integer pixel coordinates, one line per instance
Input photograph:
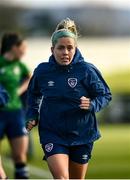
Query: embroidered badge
(72, 82)
(49, 147)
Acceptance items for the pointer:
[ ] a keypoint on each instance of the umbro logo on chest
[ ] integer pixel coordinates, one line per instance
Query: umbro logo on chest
(51, 83)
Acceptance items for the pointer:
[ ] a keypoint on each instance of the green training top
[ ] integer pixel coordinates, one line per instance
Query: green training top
(11, 75)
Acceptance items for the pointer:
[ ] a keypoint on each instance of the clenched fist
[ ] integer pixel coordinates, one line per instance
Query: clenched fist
(85, 103)
(31, 124)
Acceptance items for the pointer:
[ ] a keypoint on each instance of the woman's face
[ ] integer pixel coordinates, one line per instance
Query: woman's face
(19, 51)
(64, 50)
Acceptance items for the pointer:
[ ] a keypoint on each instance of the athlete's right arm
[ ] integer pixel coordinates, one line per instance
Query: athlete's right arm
(34, 97)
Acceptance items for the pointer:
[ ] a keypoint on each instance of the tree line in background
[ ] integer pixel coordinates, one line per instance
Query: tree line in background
(92, 21)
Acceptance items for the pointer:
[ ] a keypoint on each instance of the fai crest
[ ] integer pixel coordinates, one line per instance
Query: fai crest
(72, 82)
(48, 147)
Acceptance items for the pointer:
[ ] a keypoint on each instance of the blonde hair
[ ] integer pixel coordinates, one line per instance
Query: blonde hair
(69, 25)
(66, 28)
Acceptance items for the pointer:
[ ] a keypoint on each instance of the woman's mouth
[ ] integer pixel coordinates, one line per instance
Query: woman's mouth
(65, 59)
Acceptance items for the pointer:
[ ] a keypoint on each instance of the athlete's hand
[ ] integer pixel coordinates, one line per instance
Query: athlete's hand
(31, 124)
(85, 103)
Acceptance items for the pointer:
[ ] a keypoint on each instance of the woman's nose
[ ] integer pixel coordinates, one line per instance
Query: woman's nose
(65, 51)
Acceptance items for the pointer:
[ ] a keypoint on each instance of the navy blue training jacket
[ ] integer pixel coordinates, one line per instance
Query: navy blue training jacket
(3, 96)
(54, 96)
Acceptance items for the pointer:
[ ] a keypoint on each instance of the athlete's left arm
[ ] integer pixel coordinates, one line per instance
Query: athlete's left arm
(98, 89)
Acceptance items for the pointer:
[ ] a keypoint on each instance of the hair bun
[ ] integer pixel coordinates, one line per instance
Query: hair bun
(67, 24)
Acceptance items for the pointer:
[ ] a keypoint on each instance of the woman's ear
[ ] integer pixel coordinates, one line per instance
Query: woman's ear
(52, 50)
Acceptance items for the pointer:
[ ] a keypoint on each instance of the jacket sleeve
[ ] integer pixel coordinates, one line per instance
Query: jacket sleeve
(34, 97)
(4, 97)
(98, 89)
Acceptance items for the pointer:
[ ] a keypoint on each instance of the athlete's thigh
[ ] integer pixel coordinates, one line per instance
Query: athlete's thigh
(19, 146)
(58, 160)
(79, 157)
(58, 165)
(76, 170)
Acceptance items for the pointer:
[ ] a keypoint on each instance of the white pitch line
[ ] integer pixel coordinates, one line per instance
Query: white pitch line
(41, 173)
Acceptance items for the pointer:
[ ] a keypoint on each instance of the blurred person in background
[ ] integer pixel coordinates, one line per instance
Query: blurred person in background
(3, 100)
(12, 119)
(63, 97)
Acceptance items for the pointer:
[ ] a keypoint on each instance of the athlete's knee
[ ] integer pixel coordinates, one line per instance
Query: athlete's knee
(19, 157)
(62, 176)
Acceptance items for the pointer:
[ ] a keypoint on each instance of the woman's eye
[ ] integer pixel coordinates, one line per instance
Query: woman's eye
(60, 47)
(69, 49)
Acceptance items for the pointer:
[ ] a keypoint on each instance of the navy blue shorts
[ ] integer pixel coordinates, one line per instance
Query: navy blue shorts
(12, 124)
(79, 153)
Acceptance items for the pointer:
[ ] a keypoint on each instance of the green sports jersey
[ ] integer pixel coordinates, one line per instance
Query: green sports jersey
(11, 75)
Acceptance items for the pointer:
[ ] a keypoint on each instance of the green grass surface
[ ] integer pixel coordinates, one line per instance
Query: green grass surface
(111, 154)
(119, 82)
(110, 157)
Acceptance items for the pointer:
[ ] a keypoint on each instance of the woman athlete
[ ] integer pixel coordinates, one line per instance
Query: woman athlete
(63, 97)
(12, 120)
